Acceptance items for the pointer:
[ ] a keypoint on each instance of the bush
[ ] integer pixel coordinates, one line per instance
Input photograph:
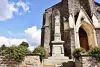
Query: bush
(95, 52)
(41, 51)
(15, 53)
(77, 52)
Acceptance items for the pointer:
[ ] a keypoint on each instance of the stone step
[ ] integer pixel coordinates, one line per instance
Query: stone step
(52, 61)
(58, 57)
(55, 60)
(68, 64)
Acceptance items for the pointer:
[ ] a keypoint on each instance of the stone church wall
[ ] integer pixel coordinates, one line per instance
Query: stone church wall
(98, 36)
(67, 43)
(87, 61)
(29, 61)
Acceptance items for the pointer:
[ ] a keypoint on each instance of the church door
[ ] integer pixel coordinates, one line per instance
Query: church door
(83, 39)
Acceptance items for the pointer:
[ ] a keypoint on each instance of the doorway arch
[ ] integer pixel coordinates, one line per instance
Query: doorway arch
(89, 36)
(83, 39)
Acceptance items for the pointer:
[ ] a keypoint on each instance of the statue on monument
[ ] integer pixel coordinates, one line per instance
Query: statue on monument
(57, 43)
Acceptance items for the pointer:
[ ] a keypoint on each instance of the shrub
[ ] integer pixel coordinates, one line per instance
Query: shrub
(40, 50)
(77, 52)
(95, 52)
(15, 53)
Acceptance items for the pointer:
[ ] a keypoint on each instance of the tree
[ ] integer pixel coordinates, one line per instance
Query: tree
(2, 48)
(25, 44)
(16, 53)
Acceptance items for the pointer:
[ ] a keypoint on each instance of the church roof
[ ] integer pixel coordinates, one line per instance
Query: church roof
(98, 4)
(59, 6)
(97, 7)
(54, 6)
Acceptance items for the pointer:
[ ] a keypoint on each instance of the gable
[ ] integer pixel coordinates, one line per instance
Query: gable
(83, 16)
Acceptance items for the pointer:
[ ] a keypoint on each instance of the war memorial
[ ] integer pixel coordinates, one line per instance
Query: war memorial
(70, 34)
(68, 25)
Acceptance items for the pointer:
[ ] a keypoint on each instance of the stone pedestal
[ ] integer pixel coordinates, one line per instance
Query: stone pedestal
(57, 55)
(58, 49)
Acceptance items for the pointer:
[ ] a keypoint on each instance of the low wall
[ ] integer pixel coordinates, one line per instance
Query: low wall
(29, 61)
(87, 61)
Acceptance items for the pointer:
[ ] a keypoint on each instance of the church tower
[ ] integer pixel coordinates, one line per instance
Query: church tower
(75, 23)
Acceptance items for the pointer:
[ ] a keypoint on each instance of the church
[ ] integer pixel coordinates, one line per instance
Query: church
(71, 24)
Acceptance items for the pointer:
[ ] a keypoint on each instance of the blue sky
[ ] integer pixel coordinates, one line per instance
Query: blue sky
(21, 20)
(27, 19)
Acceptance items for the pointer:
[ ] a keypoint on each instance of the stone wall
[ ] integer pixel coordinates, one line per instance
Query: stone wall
(98, 36)
(29, 61)
(87, 61)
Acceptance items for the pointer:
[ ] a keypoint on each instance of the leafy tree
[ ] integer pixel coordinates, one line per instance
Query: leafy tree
(15, 53)
(2, 48)
(41, 51)
(25, 44)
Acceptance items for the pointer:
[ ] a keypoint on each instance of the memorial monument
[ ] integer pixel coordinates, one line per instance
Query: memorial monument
(70, 24)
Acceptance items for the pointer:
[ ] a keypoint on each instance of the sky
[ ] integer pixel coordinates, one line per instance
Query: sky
(21, 20)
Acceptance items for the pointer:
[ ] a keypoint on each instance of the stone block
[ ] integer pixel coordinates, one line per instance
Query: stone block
(55, 60)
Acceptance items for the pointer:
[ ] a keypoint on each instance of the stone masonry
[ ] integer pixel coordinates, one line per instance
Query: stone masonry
(87, 61)
(29, 61)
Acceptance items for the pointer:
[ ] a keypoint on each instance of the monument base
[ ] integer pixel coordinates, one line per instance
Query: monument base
(58, 49)
(57, 54)
(52, 61)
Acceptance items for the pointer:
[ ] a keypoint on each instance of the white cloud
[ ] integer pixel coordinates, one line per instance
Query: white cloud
(34, 34)
(10, 41)
(17, 41)
(13, 41)
(4, 40)
(31, 48)
(23, 5)
(7, 10)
